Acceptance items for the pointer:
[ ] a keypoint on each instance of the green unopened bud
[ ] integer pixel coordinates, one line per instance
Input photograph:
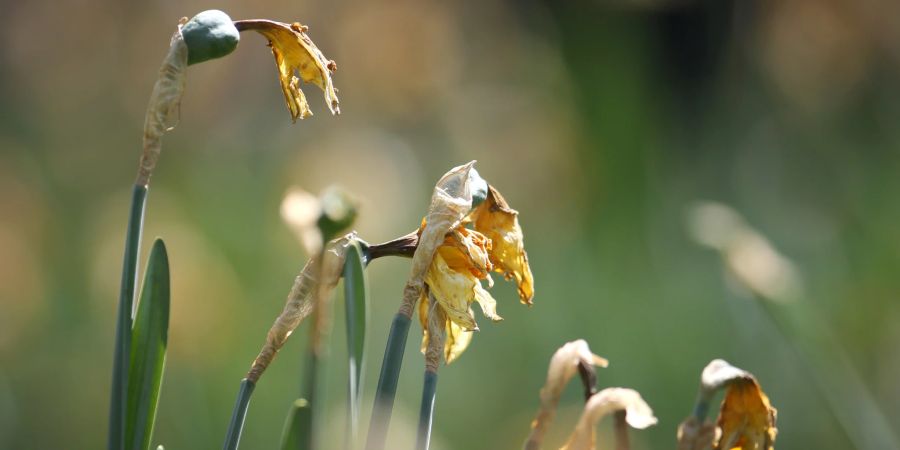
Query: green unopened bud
(209, 35)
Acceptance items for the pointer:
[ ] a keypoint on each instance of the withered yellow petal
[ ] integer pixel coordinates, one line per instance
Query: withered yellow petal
(453, 290)
(456, 340)
(747, 419)
(496, 220)
(294, 52)
(487, 303)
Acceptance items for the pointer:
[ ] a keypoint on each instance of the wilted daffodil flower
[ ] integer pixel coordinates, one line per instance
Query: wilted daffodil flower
(747, 419)
(488, 239)
(294, 52)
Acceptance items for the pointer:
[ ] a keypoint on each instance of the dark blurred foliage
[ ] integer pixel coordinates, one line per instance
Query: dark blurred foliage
(601, 122)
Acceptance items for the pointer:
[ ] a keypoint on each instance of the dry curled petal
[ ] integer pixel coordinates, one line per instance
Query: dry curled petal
(294, 53)
(500, 223)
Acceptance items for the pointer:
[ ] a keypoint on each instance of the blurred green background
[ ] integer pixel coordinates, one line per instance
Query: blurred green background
(599, 121)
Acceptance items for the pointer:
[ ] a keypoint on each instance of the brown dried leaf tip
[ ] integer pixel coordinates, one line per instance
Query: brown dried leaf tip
(294, 53)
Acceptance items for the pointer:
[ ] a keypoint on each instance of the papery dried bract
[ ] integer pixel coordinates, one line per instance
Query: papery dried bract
(450, 202)
(294, 52)
(164, 104)
(638, 414)
(301, 300)
(500, 223)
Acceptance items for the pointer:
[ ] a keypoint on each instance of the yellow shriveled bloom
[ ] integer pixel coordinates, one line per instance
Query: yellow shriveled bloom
(747, 419)
(464, 259)
(295, 51)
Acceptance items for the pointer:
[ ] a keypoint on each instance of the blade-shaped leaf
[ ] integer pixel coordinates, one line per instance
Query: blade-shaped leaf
(295, 426)
(149, 337)
(357, 306)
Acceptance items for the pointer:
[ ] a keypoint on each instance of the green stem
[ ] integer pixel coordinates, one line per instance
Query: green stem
(426, 411)
(122, 352)
(236, 426)
(701, 405)
(387, 382)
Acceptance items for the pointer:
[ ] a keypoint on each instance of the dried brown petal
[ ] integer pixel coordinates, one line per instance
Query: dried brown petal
(747, 419)
(294, 52)
(500, 223)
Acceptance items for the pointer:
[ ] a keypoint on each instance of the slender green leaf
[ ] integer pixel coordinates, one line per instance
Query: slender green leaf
(357, 306)
(387, 382)
(121, 355)
(236, 426)
(296, 427)
(149, 338)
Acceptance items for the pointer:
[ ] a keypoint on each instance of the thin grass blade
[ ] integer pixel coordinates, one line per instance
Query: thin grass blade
(149, 338)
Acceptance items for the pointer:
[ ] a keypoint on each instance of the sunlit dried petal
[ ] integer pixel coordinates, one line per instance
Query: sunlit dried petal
(294, 52)
(496, 220)
(746, 420)
(474, 246)
(637, 414)
(453, 290)
(487, 303)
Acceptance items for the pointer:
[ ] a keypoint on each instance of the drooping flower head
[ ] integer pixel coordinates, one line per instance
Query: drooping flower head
(747, 419)
(488, 239)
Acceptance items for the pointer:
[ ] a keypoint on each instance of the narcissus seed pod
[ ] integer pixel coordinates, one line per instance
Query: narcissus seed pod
(209, 35)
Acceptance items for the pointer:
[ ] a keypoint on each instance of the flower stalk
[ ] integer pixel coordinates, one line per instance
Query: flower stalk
(434, 354)
(450, 202)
